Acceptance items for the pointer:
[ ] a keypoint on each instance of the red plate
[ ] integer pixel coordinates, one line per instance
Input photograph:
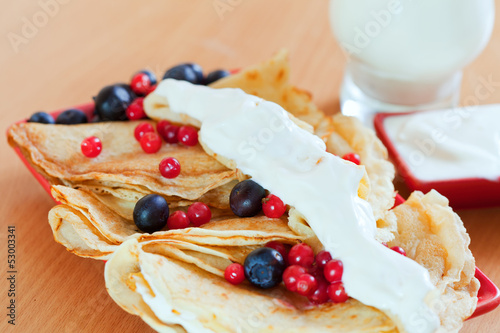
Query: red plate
(489, 294)
(462, 193)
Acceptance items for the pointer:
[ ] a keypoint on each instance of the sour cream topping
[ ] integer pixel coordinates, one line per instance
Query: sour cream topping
(449, 144)
(293, 164)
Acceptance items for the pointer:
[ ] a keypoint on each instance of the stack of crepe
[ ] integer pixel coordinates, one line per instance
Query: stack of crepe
(183, 269)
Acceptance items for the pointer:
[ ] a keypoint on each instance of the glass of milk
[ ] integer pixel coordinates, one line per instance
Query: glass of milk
(406, 55)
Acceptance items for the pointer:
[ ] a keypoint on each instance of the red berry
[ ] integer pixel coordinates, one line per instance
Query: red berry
(150, 142)
(353, 157)
(273, 207)
(188, 135)
(150, 90)
(199, 214)
(320, 295)
(337, 293)
(399, 250)
(234, 273)
(142, 129)
(178, 220)
(290, 276)
(333, 270)
(385, 244)
(306, 284)
(91, 146)
(135, 110)
(169, 133)
(170, 167)
(316, 271)
(301, 254)
(322, 258)
(161, 126)
(280, 247)
(140, 83)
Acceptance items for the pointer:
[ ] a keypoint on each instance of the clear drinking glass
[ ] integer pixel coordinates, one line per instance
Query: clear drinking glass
(406, 55)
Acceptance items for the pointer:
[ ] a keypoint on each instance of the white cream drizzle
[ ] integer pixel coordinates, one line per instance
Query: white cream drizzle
(293, 164)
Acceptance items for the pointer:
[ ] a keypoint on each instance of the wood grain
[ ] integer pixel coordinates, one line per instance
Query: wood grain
(88, 44)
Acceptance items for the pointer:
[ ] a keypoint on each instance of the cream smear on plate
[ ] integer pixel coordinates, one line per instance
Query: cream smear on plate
(449, 144)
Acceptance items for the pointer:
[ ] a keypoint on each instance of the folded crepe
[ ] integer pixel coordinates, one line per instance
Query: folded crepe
(174, 290)
(173, 295)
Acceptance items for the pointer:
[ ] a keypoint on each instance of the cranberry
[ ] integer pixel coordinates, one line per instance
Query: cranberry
(290, 276)
(142, 129)
(169, 133)
(273, 207)
(399, 250)
(135, 110)
(320, 295)
(161, 126)
(280, 247)
(150, 90)
(234, 273)
(150, 142)
(170, 167)
(178, 220)
(333, 270)
(301, 254)
(352, 157)
(199, 214)
(91, 146)
(337, 293)
(140, 84)
(322, 258)
(316, 271)
(188, 135)
(306, 284)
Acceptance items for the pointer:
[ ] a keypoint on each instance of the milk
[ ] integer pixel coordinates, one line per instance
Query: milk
(409, 53)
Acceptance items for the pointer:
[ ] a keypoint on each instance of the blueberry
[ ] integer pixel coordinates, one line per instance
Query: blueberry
(246, 198)
(72, 117)
(187, 72)
(151, 213)
(198, 71)
(42, 118)
(112, 102)
(264, 267)
(150, 74)
(216, 75)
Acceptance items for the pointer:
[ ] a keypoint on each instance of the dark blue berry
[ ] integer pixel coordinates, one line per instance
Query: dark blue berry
(198, 71)
(41, 117)
(72, 117)
(150, 74)
(186, 72)
(151, 213)
(216, 75)
(112, 102)
(264, 267)
(246, 198)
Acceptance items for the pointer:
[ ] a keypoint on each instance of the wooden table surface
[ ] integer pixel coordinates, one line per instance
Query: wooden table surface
(82, 46)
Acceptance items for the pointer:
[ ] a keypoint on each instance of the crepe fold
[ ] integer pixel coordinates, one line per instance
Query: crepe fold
(122, 169)
(174, 295)
(89, 228)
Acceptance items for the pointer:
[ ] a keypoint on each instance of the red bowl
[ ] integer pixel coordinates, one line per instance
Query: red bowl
(462, 193)
(489, 294)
